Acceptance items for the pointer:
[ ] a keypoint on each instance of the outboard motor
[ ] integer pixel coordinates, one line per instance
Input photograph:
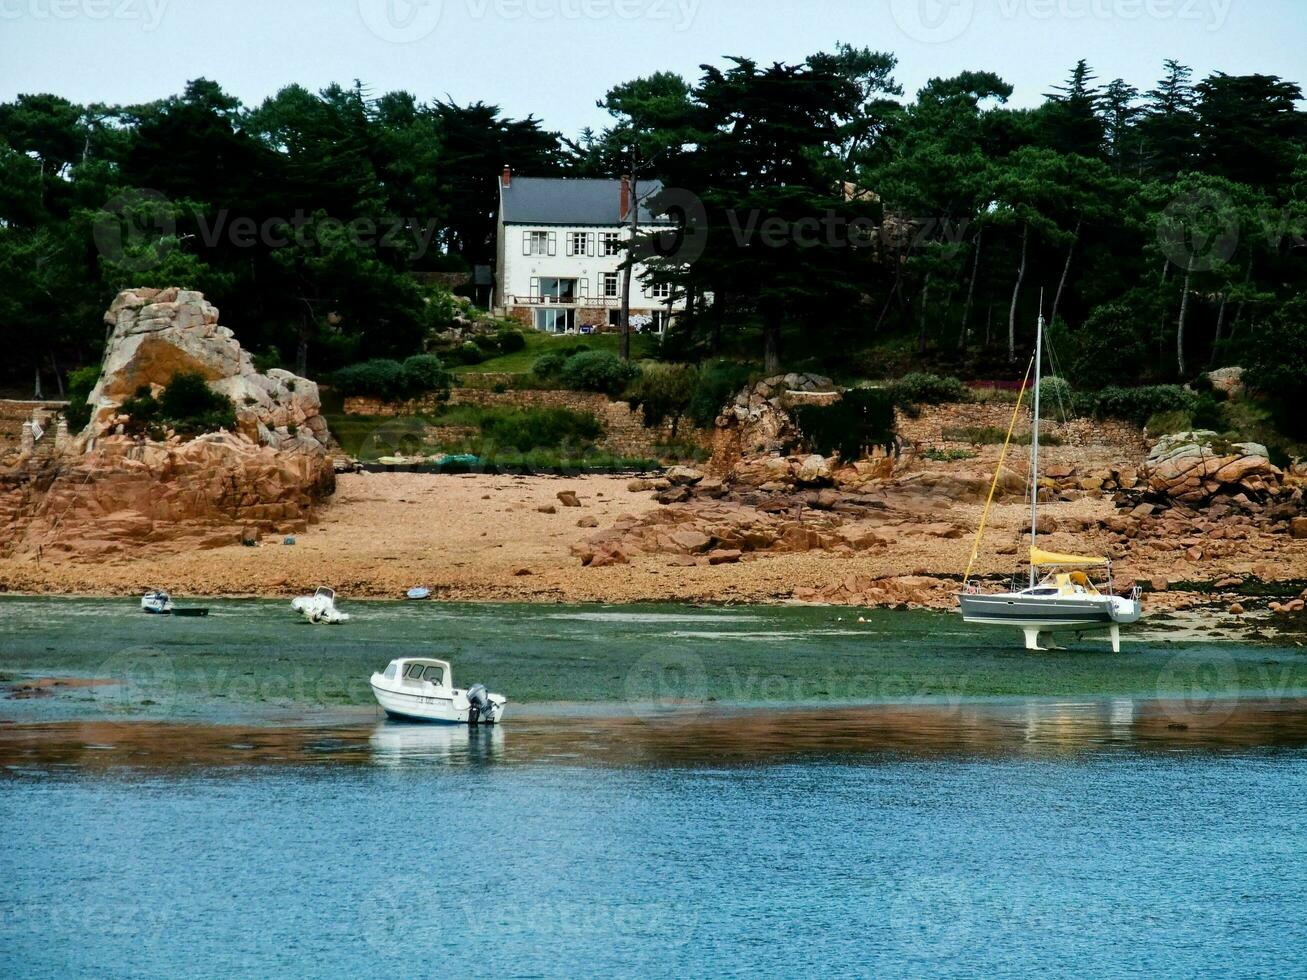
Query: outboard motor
(478, 701)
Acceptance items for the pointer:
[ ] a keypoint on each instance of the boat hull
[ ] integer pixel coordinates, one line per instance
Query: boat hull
(1010, 609)
(435, 708)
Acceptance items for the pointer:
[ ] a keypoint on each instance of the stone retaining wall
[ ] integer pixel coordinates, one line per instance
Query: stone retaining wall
(624, 431)
(14, 413)
(929, 427)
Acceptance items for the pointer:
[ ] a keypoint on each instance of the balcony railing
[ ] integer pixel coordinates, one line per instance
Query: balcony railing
(584, 302)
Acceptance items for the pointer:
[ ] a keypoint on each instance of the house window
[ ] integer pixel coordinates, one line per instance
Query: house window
(579, 243)
(610, 243)
(551, 320)
(661, 290)
(611, 283)
(538, 243)
(555, 289)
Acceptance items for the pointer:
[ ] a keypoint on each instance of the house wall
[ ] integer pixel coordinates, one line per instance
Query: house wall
(516, 271)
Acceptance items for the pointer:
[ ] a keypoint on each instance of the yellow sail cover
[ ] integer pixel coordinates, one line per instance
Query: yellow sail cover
(1044, 559)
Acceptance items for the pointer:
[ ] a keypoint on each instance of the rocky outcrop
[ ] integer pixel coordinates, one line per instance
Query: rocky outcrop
(160, 332)
(1196, 467)
(109, 493)
(1228, 380)
(761, 412)
(124, 495)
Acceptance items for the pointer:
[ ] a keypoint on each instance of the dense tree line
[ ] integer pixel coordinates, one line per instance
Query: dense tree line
(825, 218)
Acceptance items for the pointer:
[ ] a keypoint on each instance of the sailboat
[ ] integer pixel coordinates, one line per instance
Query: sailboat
(1060, 596)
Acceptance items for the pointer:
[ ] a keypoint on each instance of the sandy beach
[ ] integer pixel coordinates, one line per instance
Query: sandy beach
(479, 537)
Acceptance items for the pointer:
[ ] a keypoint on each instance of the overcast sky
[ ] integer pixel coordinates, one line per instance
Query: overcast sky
(554, 58)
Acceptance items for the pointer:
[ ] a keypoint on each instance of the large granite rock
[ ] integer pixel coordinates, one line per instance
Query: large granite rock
(1195, 467)
(160, 332)
(762, 411)
(124, 494)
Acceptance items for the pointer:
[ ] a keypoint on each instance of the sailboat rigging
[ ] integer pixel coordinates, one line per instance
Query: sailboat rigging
(1064, 599)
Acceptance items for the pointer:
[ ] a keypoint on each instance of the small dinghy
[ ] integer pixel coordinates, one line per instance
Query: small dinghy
(320, 607)
(421, 689)
(419, 592)
(156, 602)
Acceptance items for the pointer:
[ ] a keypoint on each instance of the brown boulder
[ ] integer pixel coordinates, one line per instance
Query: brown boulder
(690, 540)
(723, 557)
(568, 498)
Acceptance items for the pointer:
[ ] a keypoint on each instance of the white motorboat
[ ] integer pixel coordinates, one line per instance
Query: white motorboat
(320, 607)
(422, 689)
(1064, 598)
(156, 601)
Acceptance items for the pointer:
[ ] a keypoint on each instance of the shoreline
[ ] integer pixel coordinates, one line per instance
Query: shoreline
(479, 538)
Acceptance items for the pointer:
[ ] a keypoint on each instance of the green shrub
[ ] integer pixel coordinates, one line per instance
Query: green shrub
(598, 371)
(392, 381)
(863, 418)
(1168, 423)
(1112, 345)
(717, 383)
(549, 365)
(378, 378)
(529, 429)
(423, 374)
(81, 383)
(269, 359)
(1138, 405)
(947, 455)
(187, 405)
(510, 341)
(663, 392)
(1055, 395)
(928, 389)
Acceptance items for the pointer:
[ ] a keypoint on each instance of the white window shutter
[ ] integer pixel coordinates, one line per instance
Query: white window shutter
(584, 286)
(535, 287)
(590, 244)
(570, 243)
(526, 243)
(553, 243)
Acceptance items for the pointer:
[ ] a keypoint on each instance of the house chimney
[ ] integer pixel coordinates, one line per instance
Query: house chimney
(507, 179)
(626, 198)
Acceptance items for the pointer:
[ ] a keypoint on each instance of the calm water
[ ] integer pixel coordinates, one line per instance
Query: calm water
(1174, 863)
(920, 800)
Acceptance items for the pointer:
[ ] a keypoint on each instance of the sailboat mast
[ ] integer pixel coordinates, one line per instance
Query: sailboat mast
(1034, 445)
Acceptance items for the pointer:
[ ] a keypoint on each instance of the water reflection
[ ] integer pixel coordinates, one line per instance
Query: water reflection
(1035, 729)
(395, 743)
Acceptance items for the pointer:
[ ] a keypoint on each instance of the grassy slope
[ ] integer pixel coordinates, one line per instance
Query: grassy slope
(538, 344)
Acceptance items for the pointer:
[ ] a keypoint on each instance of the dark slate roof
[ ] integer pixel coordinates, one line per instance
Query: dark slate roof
(568, 201)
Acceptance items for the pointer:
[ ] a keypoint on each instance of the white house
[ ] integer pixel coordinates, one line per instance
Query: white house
(558, 260)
